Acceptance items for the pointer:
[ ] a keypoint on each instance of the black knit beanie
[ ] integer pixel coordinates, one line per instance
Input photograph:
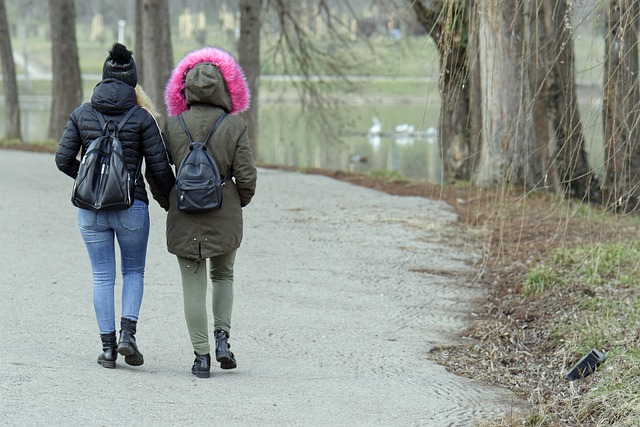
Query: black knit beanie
(120, 65)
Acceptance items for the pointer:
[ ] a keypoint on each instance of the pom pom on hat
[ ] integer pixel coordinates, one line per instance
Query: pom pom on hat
(120, 65)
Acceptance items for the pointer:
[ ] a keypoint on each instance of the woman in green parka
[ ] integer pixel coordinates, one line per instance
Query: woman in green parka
(207, 83)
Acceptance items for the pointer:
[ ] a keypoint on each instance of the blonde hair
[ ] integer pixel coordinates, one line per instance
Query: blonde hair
(145, 102)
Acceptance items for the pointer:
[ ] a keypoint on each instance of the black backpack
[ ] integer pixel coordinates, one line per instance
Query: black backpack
(103, 181)
(198, 182)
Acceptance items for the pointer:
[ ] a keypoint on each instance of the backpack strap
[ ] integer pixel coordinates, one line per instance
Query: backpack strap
(103, 122)
(211, 132)
(119, 128)
(227, 177)
(215, 126)
(100, 118)
(184, 128)
(126, 117)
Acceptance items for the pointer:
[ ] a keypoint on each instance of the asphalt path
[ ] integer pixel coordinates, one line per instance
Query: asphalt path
(340, 293)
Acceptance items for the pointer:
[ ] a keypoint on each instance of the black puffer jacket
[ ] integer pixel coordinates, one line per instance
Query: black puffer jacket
(140, 136)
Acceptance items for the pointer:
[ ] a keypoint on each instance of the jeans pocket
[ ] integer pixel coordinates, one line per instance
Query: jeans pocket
(87, 219)
(134, 218)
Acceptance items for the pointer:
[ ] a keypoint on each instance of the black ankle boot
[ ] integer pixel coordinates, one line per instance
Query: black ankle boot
(223, 354)
(109, 350)
(201, 366)
(127, 346)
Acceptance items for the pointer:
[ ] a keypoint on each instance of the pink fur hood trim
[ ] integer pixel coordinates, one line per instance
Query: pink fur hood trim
(174, 96)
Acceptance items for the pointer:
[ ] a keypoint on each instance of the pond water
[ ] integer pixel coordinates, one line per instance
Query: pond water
(287, 139)
(411, 151)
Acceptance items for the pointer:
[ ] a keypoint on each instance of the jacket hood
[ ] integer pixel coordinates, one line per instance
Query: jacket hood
(207, 75)
(205, 85)
(113, 96)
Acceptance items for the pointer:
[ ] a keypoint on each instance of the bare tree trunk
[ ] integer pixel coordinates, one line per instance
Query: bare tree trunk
(137, 54)
(249, 60)
(453, 127)
(475, 88)
(621, 186)
(453, 122)
(508, 134)
(497, 88)
(157, 52)
(67, 81)
(575, 174)
(539, 67)
(527, 154)
(523, 153)
(12, 105)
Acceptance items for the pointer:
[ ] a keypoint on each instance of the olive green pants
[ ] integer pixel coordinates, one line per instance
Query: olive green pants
(194, 291)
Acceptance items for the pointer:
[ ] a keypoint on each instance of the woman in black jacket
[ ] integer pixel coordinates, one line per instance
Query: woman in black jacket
(114, 96)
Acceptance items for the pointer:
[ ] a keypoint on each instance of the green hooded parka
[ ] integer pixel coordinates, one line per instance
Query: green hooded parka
(216, 232)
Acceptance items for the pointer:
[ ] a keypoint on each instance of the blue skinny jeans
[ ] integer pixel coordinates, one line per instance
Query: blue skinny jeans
(99, 231)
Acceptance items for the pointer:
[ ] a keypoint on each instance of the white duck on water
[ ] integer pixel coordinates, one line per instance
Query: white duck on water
(376, 128)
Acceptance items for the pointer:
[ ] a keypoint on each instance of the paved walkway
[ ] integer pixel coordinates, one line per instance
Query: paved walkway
(332, 323)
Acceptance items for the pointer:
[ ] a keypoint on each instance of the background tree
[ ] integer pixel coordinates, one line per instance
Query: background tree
(137, 54)
(67, 81)
(538, 63)
(447, 26)
(621, 98)
(508, 138)
(472, 58)
(155, 51)
(507, 76)
(249, 60)
(12, 109)
(574, 172)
